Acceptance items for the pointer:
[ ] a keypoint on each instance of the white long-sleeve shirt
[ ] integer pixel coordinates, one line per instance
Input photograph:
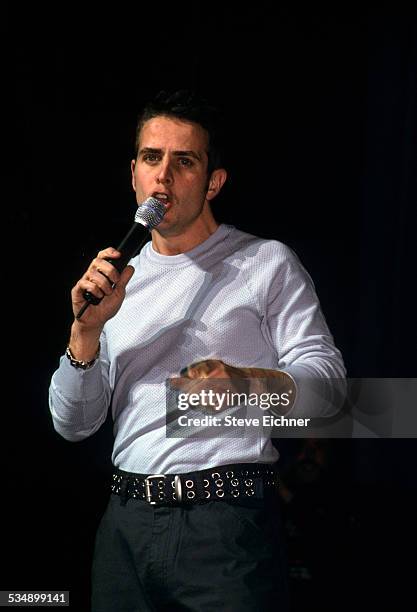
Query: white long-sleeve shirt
(235, 297)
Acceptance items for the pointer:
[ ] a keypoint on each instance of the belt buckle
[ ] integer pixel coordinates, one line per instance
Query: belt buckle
(148, 491)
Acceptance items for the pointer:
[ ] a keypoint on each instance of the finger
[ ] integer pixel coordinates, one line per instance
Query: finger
(186, 385)
(109, 252)
(209, 368)
(101, 280)
(176, 382)
(86, 285)
(125, 277)
(200, 369)
(105, 268)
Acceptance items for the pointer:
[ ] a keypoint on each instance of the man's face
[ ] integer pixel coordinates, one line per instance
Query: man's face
(172, 166)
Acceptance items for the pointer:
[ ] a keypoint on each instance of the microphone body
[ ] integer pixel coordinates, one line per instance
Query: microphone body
(148, 215)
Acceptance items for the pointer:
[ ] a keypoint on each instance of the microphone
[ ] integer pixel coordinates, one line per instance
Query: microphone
(148, 215)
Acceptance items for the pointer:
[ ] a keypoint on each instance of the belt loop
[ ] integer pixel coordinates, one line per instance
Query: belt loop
(124, 491)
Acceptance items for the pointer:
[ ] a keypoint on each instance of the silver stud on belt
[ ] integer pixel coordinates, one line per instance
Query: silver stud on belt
(178, 488)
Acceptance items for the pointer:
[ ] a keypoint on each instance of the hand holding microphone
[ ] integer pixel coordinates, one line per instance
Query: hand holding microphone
(108, 269)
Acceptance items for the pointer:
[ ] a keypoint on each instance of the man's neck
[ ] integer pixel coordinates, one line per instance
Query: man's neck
(186, 241)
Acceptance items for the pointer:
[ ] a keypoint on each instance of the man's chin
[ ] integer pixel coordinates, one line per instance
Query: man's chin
(167, 228)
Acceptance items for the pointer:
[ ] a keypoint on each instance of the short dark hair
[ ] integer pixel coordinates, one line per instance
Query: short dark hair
(188, 105)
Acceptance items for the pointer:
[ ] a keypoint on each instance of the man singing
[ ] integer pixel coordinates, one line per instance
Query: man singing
(192, 523)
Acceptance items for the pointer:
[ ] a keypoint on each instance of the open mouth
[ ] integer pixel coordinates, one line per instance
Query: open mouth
(163, 198)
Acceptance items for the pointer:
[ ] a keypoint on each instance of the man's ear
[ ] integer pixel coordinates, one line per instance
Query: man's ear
(132, 169)
(216, 182)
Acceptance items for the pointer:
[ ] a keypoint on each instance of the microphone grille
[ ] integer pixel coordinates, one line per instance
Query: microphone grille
(150, 213)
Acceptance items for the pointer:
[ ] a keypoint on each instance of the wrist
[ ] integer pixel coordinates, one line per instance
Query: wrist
(273, 382)
(81, 363)
(84, 344)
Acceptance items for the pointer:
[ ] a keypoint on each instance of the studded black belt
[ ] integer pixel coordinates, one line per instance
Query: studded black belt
(227, 482)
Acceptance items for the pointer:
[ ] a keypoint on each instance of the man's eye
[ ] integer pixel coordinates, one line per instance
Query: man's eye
(150, 157)
(185, 161)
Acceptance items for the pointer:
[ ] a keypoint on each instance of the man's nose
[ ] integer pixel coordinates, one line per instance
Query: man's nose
(164, 174)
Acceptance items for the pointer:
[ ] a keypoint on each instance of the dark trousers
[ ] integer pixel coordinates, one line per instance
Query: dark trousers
(214, 556)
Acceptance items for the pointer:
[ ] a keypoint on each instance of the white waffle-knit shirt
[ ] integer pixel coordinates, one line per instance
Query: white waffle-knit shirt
(235, 297)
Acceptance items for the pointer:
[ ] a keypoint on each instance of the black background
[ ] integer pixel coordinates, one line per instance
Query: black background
(322, 113)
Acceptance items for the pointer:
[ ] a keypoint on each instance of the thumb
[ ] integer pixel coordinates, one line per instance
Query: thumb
(125, 277)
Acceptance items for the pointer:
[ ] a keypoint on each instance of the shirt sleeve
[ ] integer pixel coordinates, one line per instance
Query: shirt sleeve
(297, 328)
(79, 399)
